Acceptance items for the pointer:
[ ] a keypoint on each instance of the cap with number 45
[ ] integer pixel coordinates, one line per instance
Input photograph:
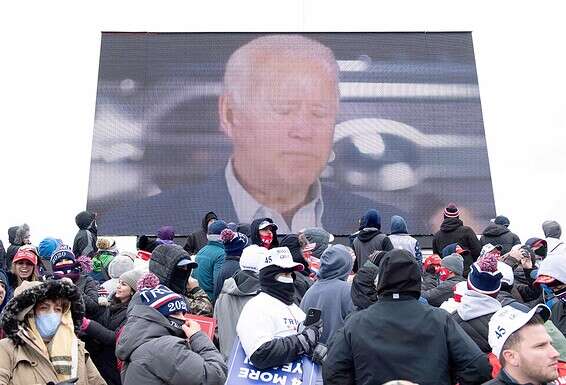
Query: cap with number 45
(280, 256)
(508, 320)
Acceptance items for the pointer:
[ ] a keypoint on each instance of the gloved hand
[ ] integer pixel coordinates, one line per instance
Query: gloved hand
(319, 354)
(308, 336)
(84, 324)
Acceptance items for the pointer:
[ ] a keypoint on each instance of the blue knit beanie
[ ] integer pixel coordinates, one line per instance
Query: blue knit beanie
(47, 247)
(164, 300)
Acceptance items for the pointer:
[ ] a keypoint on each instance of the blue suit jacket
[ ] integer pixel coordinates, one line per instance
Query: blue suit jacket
(184, 207)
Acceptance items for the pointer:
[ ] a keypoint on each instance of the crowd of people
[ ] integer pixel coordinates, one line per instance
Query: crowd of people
(477, 310)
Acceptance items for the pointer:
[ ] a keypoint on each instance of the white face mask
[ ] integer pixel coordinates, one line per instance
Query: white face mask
(284, 279)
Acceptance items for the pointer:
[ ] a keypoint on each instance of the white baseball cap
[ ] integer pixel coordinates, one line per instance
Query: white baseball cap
(508, 320)
(265, 224)
(280, 256)
(251, 258)
(488, 247)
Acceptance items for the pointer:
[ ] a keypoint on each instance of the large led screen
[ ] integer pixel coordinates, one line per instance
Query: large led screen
(309, 129)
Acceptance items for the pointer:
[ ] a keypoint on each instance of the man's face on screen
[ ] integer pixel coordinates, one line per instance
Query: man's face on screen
(283, 129)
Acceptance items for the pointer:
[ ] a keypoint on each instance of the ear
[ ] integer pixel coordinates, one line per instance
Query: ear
(226, 114)
(511, 357)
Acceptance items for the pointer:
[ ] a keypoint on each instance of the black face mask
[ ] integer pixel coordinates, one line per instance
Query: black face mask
(177, 324)
(285, 292)
(179, 278)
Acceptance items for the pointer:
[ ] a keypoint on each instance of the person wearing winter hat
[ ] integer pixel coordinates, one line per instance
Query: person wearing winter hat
(173, 266)
(165, 234)
(24, 266)
(41, 347)
(106, 252)
(429, 336)
(519, 340)
(197, 240)
(210, 259)
(236, 292)
(158, 346)
(453, 230)
(553, 232)
(264, 233)
(498, 233)
(120, 264)
(315, 240)
(66, 267)
(45, 248)
(270, 326)
(401, 239)
(449, 274)
(479, 303)
(85, 239)
(101, 333)
(234, 244)
(370, 238)
(331, 292)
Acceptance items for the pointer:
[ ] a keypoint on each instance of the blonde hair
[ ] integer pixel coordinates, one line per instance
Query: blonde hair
(246, 60)
(32, 277)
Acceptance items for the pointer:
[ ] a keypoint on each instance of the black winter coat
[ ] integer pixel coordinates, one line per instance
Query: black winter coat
(88, 287)
(477, 329)
(430, 281)
(499, 235)
(403, 338)
(12, 248)
(558, 316)
(368, 241)
(436, 296)
(453, 230)
(198, 240)
(102, 338)
(503, 379)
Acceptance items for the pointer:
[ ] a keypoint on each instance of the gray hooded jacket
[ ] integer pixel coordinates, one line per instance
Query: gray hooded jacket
(153, 355)
(331, 293)
(236, 292)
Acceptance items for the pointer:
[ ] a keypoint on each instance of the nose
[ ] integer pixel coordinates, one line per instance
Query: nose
(554, 354)
(301, 124)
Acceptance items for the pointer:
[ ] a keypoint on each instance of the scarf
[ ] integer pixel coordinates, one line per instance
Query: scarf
(285, 292)
(62, 350)
(71, 271)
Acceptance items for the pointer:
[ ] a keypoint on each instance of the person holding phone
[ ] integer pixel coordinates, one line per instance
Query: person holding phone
(272, 329)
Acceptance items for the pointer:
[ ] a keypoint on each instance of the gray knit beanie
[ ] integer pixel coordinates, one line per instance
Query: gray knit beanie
(131, 278)
(454, 263)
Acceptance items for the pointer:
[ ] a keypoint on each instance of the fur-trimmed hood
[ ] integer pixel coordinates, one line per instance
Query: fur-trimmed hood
(15, 312)
(21, 233)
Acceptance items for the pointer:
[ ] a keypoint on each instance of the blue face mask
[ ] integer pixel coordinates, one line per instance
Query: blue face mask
(47, 324)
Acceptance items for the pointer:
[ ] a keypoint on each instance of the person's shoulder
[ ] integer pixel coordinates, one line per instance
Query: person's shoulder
(343, 209)
(175, 207)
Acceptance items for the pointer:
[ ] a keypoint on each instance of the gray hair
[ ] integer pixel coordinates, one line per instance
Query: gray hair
(246, 59)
